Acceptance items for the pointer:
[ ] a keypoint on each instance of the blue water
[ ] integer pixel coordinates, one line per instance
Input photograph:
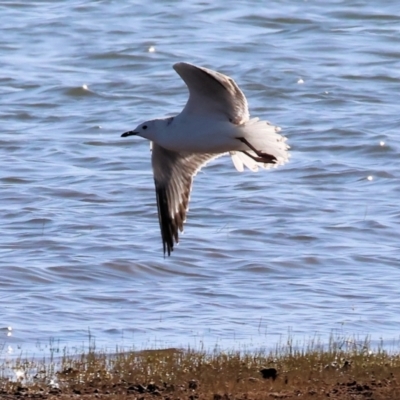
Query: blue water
(308, 249)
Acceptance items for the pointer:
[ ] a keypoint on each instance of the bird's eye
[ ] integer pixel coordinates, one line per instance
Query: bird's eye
(144, 126)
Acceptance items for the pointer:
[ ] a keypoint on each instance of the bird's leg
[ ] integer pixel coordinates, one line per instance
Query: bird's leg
(266, 159)
(262, 157)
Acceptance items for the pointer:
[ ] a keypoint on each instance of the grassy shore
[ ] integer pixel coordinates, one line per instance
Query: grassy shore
(341, 370)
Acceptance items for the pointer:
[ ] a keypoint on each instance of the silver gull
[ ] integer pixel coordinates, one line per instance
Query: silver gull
(214, 122)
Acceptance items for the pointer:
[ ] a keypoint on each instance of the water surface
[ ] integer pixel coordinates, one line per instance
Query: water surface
(309, 248)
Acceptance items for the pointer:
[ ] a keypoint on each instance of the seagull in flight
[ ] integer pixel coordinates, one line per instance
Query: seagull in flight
(215, 121)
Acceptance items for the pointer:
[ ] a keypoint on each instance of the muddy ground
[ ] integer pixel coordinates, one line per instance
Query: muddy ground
(255, 387)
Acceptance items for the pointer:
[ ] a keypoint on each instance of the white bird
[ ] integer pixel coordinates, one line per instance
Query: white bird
(215, 121)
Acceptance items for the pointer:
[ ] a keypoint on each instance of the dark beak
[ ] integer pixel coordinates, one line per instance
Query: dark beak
(129, 133)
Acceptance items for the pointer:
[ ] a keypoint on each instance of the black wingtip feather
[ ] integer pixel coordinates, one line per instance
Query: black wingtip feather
(167, 225)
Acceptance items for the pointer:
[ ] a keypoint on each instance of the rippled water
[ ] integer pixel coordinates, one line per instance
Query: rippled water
(310, 248)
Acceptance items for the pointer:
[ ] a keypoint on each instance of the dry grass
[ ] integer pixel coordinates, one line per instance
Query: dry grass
(345, 368)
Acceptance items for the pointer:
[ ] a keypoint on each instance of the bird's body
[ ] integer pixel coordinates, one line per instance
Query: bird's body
(214, 121)
(216, 137)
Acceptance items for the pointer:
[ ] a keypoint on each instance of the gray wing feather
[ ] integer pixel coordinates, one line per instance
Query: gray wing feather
(212, 92)
(173, 178)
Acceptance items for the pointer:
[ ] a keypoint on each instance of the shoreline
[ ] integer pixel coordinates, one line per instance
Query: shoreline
(352, 371)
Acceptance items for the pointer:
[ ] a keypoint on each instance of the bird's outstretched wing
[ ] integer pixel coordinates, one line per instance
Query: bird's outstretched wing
(211, 92)
(173, 177)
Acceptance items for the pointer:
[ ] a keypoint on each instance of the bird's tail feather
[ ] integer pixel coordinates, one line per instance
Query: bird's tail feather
(261, 141)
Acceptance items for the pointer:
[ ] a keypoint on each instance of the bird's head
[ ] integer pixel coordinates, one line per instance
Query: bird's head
(148, 130)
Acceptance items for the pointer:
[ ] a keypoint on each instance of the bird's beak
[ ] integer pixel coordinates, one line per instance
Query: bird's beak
(129, 133)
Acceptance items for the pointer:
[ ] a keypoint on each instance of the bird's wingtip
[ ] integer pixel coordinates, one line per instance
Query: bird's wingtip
(182, 64)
